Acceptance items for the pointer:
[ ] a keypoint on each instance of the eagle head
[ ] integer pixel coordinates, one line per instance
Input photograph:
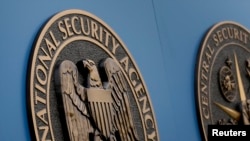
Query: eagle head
(89, 64)
(94, 79)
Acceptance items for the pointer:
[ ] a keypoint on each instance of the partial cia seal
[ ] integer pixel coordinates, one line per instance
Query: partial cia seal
(83, 84)
(223, 76)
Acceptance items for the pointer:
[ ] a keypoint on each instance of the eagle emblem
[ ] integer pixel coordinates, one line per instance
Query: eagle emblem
(99, 109)
(83, 84)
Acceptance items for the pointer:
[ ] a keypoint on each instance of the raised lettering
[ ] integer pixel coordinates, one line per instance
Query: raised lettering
(94, 29)
(149, 121)
(44, 58)
(42, 78)
(205, 66)
(145, 109)
(236, 34)
(50, 46)
(219, 35)
(124, 63)
(56, 43)
(108, 35)
(45, 132)
(203, 88)
(62, 29)
(131, 72)
(73, 21)
(68, 26)
(41, 115)
(225, 36)
(41, 89)
(115, 45)
(139, 90)
(216, 40)
(85, 29)
(39, 99)
(152, 136)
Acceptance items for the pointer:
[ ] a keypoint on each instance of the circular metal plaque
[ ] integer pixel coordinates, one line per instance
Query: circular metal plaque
(223, 76)
(83, 84)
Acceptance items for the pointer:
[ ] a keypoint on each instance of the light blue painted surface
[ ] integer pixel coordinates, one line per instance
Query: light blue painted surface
(182, 26)
(162, 36)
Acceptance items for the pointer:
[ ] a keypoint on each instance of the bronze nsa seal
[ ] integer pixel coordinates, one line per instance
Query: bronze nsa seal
(84, 85)
(223, 77)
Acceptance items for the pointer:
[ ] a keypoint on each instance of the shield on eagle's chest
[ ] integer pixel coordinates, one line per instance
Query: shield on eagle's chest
(100, 107)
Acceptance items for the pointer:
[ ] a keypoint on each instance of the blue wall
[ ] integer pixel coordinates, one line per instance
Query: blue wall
(182, 26)
(162, 36)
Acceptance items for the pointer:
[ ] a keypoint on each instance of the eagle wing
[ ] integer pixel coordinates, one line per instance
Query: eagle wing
(73, 97)
(122, 120)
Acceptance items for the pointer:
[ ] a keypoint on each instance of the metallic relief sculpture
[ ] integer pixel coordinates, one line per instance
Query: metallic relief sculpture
(83, 84)
(223, 82)
(100, 110)
(227, 82)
